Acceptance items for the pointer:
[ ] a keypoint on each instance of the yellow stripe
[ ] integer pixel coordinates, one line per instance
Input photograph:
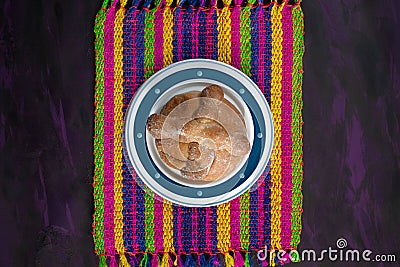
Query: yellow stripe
(224, 55)
(168, 33)
(167, 207)
(276, 103)
(118, 124)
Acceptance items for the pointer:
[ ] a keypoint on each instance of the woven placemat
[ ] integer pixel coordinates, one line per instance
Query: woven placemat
(264, 40)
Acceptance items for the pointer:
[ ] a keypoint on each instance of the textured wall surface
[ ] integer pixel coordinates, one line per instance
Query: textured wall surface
(351, 131)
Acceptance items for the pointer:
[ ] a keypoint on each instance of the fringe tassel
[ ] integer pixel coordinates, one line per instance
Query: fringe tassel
(229, 261)
(143, 262)
(203, 262)
(179, 261)
(272, 258)
(213, 261)
(123, 262)
(251, 263)
(166, 261)
(246, 260)
(113, 262)
(102, 261)
(133, 261)
(154, 260)
(239, 262)
(198, 259)
(190, 261)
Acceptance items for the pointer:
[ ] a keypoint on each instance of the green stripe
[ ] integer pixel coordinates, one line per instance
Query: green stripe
(149, 220)
(297, 121)
(148, 71)
(245, 45)
(149, 45)
(245, 54)
(98, 184)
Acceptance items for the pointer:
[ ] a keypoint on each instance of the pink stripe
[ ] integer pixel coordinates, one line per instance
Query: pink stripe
(235, 30)
(261, 213)
(209, 33)
(195, 223)
(208, 246)
(195, 31)
(158, 225)
(209, 53)
(109, 243)
(235, 223)
(132, 85)
(158, 41)
(287, 62)
(179, 33)
(158, 64)
(235, 46)
(179, 56)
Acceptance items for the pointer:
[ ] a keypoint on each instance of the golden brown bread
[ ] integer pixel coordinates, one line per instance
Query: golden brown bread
(213, 91)
(201, 138)
(179, 99)
(155, 124)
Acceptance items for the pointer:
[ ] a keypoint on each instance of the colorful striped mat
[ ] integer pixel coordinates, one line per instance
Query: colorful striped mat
(265, 41)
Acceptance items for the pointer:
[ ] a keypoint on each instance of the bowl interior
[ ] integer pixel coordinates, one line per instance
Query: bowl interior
(198, 85)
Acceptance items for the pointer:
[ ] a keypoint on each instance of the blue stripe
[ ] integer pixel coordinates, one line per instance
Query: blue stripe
(128, 82)
(187, 42)
(267, 188)
(215, 35)
(139, 81)
(202, 34)
(127, 181)
(186, 229)
(268, 52)
(140, 48)
(253, 224)
(202, 227)
(187, 39)
(201, 239)
(175, 221)
(254, 43)
(175, 35)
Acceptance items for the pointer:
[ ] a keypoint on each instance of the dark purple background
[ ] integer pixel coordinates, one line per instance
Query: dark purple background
(351, 131)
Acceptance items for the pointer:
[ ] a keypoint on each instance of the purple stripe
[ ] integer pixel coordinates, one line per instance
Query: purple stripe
(261, 85)
(179, 37)
(287, 62)
(261, 49)
(109, 242)
(195, 54)
(129, 175)
(210, 46)
(158, 41)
